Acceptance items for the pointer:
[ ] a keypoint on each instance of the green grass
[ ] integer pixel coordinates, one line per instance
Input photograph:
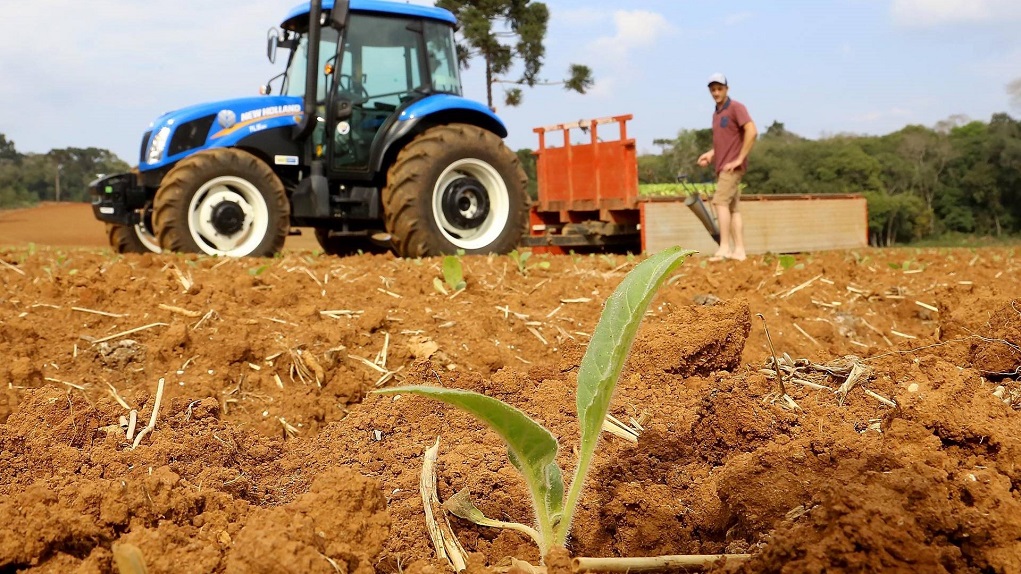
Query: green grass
(965, 240)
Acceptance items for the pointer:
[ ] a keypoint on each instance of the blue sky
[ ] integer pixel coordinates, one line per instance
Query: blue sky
(98, 72)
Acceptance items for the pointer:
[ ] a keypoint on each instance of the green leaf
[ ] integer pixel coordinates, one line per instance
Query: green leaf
(607, 351)
(532, 449)
(613, 336)
(462, 506)
(787, 261)
(438, 286)
(453, 273)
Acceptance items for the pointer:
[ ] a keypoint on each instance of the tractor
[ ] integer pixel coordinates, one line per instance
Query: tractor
(368, 141)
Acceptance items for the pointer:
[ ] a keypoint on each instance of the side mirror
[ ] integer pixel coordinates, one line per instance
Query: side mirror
(338, 15)
(272, 41)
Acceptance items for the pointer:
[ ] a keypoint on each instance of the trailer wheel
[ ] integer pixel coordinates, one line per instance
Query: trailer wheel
(222, 202)
(133, 239)
(343, 246)
(455, 187)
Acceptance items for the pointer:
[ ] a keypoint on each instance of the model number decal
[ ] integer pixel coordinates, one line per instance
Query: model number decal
(286, 160)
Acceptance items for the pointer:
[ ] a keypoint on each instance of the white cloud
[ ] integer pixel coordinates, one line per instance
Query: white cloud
(926, 13)
(735, 19)
(635, 30)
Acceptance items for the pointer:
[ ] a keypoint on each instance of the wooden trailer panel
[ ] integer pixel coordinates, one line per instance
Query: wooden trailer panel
(772, 223)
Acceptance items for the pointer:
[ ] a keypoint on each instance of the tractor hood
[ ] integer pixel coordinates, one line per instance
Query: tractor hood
(177, 134)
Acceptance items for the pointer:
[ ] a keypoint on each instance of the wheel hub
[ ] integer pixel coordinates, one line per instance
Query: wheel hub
(228, 218)
(465, 203)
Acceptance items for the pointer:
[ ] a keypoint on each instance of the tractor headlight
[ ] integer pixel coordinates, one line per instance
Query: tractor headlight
(159, 142)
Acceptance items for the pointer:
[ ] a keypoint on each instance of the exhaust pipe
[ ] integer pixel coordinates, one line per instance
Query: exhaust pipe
(695, 204)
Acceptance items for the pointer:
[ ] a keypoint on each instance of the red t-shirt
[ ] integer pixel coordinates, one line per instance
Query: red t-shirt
(728, 133)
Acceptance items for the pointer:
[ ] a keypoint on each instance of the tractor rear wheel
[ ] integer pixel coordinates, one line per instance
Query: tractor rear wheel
(134, 239)
(455, 187)
(224, 202)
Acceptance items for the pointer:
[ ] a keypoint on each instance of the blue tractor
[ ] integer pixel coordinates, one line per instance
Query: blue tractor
(369, 142)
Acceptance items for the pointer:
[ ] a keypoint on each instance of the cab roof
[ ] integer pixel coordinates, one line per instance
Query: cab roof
(298, 16)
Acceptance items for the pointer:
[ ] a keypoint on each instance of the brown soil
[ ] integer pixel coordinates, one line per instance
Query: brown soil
(270, 455)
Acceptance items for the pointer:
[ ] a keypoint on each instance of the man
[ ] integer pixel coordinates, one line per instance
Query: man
(733, 137)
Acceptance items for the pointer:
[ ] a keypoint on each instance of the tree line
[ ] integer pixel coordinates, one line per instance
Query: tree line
(957, 177)
(58, 175)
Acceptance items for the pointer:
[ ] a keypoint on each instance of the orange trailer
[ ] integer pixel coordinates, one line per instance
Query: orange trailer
(588, 192)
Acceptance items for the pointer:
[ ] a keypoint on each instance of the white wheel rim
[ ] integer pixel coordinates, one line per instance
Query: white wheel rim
(495, 188)
(253, 227)
(147, 239)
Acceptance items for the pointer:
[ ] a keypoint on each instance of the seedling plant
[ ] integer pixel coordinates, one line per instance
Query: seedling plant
(520, 259)
(532, 448)
(453, 275)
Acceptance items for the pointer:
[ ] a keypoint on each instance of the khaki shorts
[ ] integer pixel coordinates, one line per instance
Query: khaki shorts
(728, 189)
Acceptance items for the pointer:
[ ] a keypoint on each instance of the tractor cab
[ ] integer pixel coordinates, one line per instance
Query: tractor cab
(372, 67)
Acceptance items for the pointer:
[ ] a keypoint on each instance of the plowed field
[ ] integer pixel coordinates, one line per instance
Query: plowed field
(268, 452)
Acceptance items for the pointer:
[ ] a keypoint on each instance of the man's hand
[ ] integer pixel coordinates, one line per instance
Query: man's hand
(732, 165)
(706, 158)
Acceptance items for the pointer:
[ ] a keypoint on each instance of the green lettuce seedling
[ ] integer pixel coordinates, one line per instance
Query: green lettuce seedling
(532, 449)
(453, 274)
(520, 258)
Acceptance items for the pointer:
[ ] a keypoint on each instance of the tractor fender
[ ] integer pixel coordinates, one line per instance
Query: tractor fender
(435, 110)
(274, 146)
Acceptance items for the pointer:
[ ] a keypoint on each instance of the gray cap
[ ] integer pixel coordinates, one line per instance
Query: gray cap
(717, 78)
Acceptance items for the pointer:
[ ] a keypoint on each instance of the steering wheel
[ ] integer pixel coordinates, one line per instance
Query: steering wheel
(345, 83)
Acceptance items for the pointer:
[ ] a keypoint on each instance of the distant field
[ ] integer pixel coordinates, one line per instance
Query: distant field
(68, 224)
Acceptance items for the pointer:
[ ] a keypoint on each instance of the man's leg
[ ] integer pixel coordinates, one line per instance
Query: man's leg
(736, 222)
(737, 236)
(723, 200)
(724, 220)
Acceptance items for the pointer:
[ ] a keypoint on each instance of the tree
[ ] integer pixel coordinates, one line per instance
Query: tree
(77, 167)
(895, 218)
(487, 24)
(778, 132)
(1014, 90)
(528, 163)
(846, 168)
(928, 152)
(7, 150)
(680, 156)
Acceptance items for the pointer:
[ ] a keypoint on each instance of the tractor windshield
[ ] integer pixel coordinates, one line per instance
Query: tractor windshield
(294, 80)
(382, 55)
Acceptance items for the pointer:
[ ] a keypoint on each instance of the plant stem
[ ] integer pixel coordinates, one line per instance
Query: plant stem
(582, 564)
(546, 528)
(564, 527)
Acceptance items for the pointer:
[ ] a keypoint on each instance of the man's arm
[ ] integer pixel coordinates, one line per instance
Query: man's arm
(750, 133)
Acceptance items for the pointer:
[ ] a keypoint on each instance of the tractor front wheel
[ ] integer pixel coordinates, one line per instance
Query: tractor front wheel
(455, 187)
(137, 238)
(222, 202)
